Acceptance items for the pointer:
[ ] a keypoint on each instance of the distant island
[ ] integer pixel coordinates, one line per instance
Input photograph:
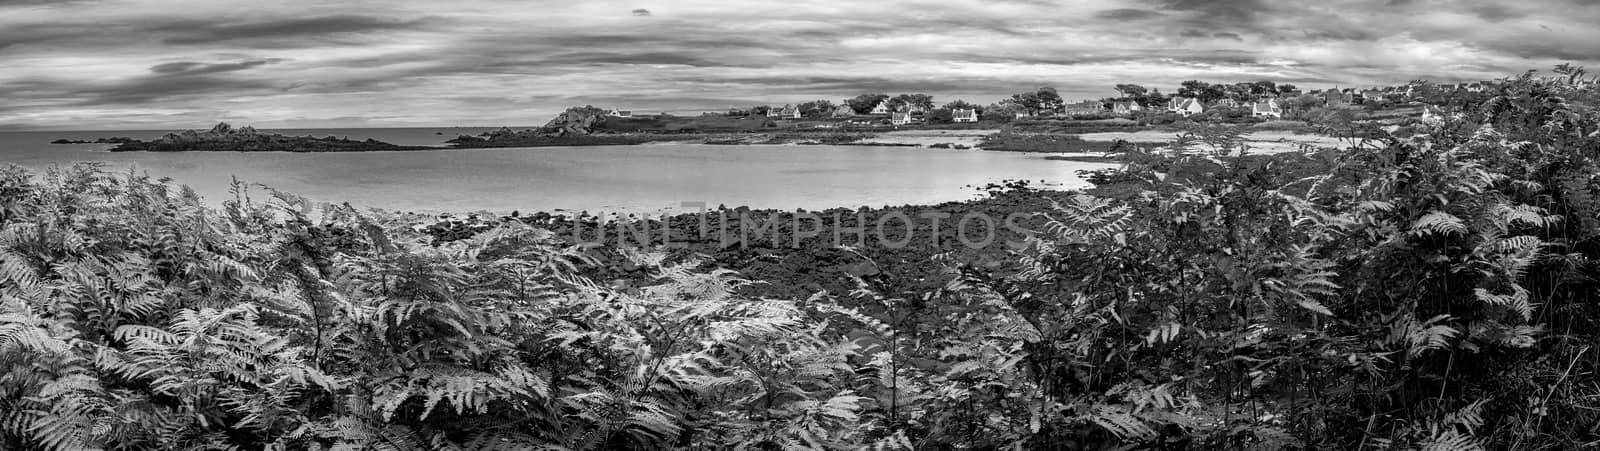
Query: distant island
(114, 140)
(226, 138)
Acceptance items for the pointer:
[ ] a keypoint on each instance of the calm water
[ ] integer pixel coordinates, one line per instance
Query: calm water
(647, 178)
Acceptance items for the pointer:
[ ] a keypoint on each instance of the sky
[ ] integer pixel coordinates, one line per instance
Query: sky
(178, 64)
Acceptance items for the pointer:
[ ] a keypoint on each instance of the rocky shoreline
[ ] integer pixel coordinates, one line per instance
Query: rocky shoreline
(815, 250)
(226, 138)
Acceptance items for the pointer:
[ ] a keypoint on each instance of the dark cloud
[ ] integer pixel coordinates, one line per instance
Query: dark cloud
(157, 89)
(1192, 33)
(641, 12)
(1220, 11)
(1550, 47)
(1225, 35)
(1127, 14)
(851, 84)
(202, 32)
(39, 34)
(1495, 12)
(669, 58)
(194, 68)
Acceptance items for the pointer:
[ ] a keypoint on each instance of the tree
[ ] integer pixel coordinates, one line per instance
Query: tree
(863, 104)
(1240, 92)
(1003, 111)
(1049, 100)
(1042, 100)
(922, 101)
(940, 116)
(1156, 98)
(1263, 88)
(962, 105)
(817, 108)
(1132, 91)
(1193, 88)
(1287, 90)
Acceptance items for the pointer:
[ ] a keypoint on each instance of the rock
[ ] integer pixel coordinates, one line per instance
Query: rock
(576, 121)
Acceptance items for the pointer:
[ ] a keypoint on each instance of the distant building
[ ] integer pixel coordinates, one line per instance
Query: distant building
(790, 112)
(619, 113)
(843, 111)
(1266, 108)
(1474, 87)
(1227, 103)
(882, 108)
(1372, 95)
(964, 115)
(903, 118)
(1129, 107)
(1189, 107)
(1335, 97)
(1085, 107)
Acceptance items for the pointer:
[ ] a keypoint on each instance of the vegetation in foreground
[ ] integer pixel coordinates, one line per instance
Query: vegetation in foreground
(1430, 292)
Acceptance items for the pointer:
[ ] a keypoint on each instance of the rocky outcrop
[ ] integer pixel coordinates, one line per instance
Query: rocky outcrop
(576, 121)
(115, 140)
(225, 138)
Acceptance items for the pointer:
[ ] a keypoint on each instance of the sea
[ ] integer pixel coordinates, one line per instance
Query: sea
(640, 179)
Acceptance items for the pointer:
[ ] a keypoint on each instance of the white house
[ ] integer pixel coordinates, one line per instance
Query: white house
(1227, 103)
(1189, 107)
(1266, 108)
(1126, 107)
(620, 113)
(882, 108)
(964, 115)
(901, 118)
(790, 112)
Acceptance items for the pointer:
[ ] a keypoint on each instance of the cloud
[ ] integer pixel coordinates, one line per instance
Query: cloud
(160, 63)
(1496, 12)
(148, 90)
(194, 68)
(203, 32)
(1126, 14)
(641, 12)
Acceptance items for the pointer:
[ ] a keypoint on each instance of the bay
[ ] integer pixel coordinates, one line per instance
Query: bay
(625, 179)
